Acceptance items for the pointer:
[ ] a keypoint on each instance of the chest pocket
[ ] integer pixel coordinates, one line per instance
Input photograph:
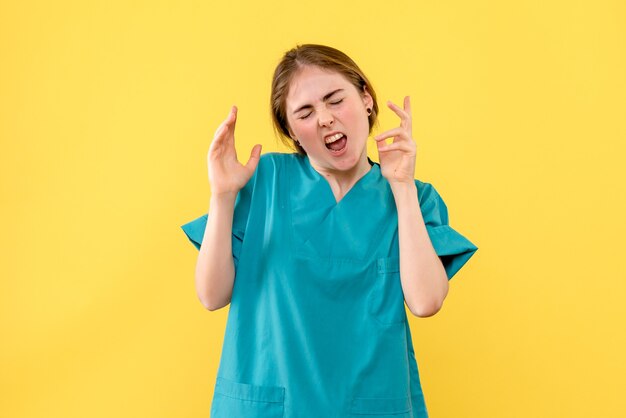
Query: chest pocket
(386, 300)
(234, 399)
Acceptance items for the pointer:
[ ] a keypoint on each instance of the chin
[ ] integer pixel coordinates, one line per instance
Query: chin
(348, 163)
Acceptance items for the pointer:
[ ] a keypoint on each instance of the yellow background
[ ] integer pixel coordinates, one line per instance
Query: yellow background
(107, 110)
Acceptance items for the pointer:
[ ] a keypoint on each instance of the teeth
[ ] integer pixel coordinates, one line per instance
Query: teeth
(333, 138)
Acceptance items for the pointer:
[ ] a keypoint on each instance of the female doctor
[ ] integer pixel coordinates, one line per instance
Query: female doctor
(318, 251)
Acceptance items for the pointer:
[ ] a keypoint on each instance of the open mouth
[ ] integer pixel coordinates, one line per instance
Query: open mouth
(337, 142)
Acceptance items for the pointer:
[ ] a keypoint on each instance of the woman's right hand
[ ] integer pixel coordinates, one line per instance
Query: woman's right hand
(226, 175)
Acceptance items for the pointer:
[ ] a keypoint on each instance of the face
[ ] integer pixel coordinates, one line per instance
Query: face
(321, 102)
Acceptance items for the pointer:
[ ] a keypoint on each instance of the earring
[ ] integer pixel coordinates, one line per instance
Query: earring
(369, 111)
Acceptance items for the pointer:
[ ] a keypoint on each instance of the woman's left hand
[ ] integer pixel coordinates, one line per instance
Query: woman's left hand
(397, 160)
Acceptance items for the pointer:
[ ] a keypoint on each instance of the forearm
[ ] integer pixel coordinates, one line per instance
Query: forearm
(215, 270)
(423, 277)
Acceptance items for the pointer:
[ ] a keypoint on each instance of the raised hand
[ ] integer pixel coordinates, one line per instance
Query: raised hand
(226, 174)
(397, 160)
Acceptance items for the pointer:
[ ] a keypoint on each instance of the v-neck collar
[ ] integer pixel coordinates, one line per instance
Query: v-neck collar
(346, 230)
(365, 179)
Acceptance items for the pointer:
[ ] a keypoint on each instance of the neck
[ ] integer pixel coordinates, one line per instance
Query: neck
(341, 181)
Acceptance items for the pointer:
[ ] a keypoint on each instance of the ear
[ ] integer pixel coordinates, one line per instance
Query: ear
(367, 98)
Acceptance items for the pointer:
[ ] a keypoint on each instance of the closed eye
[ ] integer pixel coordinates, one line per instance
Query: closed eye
(309, 114)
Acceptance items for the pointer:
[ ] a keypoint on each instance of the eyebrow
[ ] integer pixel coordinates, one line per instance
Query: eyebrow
(326, 97)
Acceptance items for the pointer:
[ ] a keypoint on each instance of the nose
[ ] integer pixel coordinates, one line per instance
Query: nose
(325, 118)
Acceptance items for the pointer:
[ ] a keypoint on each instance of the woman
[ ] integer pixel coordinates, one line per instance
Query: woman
(317, 251)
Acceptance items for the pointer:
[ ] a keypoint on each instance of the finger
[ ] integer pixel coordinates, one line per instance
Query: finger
(400, 112)
(255, 155)
(395, 132)
(227, 132)
(407, 110)
(220, 138)
(220, 143)
(230, 124)
(402, 146)
(232, 115)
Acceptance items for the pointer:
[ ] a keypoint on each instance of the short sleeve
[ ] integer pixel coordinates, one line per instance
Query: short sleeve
(453, 248)
(194, 229)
